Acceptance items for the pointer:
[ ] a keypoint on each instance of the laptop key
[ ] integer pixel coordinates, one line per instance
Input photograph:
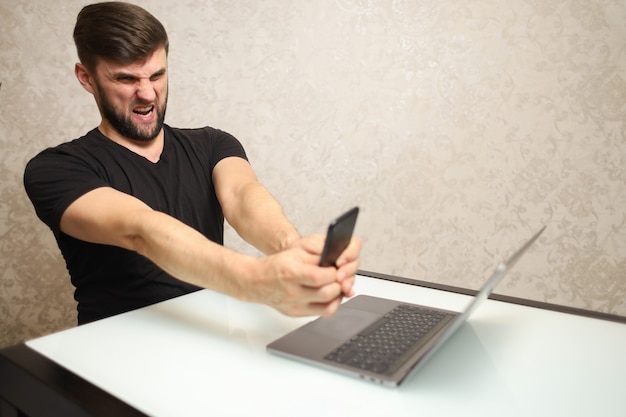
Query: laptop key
(383, 346)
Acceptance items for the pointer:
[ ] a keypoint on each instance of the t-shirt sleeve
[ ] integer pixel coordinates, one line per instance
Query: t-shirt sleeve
(225, 145)
(53, 180)
(58, 176)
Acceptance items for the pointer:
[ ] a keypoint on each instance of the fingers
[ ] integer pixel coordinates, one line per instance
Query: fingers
(305, 289)
(312, 244)
(346, 286)
(313, 302)
(292, 282)
(325, 299)
(351, 253)
(324, 307)
(318, 294)
(347, 264)
(327, 309)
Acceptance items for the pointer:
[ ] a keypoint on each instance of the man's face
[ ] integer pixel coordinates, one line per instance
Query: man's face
(133, 98)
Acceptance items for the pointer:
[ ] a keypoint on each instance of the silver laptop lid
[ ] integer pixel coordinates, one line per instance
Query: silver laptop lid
(484, 292)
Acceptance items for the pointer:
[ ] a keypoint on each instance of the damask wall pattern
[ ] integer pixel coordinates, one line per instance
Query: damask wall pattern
(459, 128)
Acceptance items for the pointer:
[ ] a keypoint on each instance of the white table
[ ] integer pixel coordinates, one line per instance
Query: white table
(204, 354)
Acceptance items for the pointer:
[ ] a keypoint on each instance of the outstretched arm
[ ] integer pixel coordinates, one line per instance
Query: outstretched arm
(259, 219)
(249, 207)
(289, 281)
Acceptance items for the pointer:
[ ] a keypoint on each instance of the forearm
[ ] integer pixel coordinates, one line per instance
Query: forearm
(260, 220)
(189, 256)
(289, 281)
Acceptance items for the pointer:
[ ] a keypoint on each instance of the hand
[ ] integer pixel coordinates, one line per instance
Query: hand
(347, 264)
(292, 282)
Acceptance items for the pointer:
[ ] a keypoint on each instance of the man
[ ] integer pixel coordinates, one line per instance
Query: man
(137, 207)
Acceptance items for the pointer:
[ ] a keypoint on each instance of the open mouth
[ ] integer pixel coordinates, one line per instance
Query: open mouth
(144, 111)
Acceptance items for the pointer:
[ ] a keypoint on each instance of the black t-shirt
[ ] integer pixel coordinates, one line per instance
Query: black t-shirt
(108, 279)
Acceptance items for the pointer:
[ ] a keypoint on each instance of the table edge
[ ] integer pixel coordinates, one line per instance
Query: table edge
(38, 386)
(499, 297)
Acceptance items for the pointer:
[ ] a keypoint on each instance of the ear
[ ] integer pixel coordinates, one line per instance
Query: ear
(84, 78)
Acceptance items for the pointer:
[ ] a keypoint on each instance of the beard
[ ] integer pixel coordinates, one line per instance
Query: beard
(123, 122)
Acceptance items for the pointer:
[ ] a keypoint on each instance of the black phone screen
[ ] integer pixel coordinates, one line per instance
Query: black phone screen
(338, 236)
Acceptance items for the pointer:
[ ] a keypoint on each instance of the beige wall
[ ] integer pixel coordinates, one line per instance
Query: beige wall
(459, 127)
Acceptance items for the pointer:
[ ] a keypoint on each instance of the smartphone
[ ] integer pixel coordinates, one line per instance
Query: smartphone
(338, 236)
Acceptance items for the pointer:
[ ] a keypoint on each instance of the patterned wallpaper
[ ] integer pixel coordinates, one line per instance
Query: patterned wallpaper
(460, 128)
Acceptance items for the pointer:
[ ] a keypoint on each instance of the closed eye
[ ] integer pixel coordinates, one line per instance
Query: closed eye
(132, 79)
(157, 75)
(126, 79)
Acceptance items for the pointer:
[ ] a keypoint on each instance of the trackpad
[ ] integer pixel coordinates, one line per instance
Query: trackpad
(345, 323)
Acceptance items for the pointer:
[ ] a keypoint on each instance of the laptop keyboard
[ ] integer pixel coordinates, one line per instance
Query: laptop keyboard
(383, 346)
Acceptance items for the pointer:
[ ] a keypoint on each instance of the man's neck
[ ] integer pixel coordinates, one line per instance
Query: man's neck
(151, 150)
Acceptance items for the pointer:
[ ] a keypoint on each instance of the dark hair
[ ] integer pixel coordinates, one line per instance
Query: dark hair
(118, 32)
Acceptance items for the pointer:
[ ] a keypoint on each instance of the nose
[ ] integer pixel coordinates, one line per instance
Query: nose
(146, 90)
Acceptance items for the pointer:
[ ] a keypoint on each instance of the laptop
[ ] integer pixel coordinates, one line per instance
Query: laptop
(382, 340)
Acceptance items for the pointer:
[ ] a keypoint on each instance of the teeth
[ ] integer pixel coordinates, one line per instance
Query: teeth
(143, 111)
